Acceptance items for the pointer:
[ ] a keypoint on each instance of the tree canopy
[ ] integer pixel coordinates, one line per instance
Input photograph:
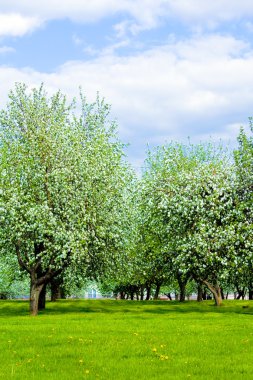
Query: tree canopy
(62, 180)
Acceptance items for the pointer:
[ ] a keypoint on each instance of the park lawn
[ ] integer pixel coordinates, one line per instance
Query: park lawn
(107, 339)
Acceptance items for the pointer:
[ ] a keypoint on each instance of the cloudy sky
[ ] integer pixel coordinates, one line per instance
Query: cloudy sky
(169, 68)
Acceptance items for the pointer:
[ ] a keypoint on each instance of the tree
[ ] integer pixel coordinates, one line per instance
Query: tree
(243, 274)
(52, 172)
(193, 189)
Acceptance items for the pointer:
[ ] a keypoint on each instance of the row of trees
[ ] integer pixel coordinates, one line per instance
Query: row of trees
(71, 208)
(195, 219)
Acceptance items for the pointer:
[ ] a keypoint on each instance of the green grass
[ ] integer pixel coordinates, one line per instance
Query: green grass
(127, 340)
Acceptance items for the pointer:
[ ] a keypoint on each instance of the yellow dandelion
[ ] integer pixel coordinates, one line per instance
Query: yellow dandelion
(154, 349)
(87, 371)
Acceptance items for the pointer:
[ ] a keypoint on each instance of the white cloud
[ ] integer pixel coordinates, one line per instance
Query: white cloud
(209, 13)
(86, 10)
(138, 14)
(227, 133)
(144, 14)
(13, 24)
(6, 49)
(78, 10)
(163, 93)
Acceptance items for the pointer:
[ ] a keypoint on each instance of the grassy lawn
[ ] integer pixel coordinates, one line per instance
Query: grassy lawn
(127, 340)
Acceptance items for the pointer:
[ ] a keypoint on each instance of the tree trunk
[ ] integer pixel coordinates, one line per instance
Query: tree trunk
(182, 293)
(39, 279)
(250, 294)
(142, 293)
(122, 295)
(182, 286)
(241, 293)
(42, 298)
(157, 291)
(238, 295)
(148, 289)
(204, 296)
(200, 293)
(215, 290)
(34, 298)
(56, 289)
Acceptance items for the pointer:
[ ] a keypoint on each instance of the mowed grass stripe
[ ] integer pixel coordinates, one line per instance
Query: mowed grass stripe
(127, 340)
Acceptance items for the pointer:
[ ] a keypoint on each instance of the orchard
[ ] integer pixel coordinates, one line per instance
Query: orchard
(73, 210)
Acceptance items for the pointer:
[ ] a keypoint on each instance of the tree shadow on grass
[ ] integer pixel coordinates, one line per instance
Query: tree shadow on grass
(16, 308)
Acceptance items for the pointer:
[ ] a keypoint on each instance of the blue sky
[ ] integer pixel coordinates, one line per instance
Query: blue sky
(169, 68)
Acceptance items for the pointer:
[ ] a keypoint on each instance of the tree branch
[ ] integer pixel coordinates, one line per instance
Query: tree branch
(20, 260)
